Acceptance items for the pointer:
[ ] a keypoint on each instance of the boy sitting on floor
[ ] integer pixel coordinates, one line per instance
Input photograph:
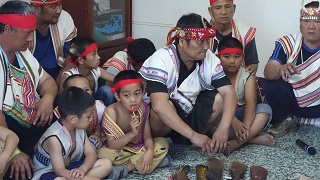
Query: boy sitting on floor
(127, 128)
(250, 117)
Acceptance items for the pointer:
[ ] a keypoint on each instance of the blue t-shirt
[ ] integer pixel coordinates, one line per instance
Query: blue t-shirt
(45, 54)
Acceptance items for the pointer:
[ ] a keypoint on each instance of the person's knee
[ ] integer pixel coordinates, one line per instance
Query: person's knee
(106, 164)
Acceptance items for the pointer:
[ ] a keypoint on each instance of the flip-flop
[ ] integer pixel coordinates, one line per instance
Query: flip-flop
(258, 173)
(215, 168)
(201, 171)
(237, 170)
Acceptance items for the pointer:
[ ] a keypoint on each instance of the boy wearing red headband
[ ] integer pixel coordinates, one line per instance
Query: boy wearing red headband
(126, 127)
(51, 40)
(27, 91)
(221, 12)
(84, 55)
(188, 89)
(250, 118)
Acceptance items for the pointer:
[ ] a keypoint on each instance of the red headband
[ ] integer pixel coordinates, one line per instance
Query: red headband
(213, 1)
(19, 20)
(191, 33)
(230, 50)
(125, 82)
(44, 2)
(89, 49)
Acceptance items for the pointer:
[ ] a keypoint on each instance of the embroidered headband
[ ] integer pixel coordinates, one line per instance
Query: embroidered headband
(125, 82)
(89, 49)
(310, 13)
(213, 1)
(19, 20)
(230, 50)
(44, 2)
(190, 33)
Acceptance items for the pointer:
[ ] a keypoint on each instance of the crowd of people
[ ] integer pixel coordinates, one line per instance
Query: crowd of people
(58, 122)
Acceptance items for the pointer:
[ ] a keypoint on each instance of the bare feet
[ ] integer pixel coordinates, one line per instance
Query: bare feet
(263, 139)
(231, 146)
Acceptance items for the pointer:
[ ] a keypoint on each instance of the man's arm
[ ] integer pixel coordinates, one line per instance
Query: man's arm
(167, 113)
(48, 90)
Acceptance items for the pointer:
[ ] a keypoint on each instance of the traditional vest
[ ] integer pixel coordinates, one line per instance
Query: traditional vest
(19, 86)
(95, 73)
(243, 33)
(239, 85)
(41, 158)
(61, 32)
(305, 85)
(110, 128)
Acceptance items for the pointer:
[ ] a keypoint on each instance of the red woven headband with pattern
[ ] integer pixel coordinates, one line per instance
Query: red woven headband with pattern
(19, 20)
(125, 82)
(213, 1)
(190, 33)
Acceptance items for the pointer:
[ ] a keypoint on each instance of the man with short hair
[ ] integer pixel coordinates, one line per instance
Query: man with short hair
(188, 89)
(27, 91)
(292, 88)
(221, 12)
(55, 30)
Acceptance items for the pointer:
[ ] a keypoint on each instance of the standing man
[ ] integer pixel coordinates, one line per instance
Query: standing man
(293, 74)
(188, 89)
(221, 12)
(27, 91)
(55, 30)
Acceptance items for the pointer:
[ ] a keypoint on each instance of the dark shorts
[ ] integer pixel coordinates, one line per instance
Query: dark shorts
(201, 111)
(29, 137)
(52, 175)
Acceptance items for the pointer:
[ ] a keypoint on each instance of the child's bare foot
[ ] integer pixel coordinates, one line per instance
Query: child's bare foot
(263, 139)
(231, 146)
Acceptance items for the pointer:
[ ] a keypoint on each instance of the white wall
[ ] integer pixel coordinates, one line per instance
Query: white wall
(272, 18)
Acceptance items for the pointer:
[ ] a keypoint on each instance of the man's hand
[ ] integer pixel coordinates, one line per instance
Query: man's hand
(287, 70)
(252, 69)
(202, 141)
(21, 167)
(219, 140)
(44, 111)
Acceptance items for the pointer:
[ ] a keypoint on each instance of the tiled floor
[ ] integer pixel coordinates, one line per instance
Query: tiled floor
(284, 161)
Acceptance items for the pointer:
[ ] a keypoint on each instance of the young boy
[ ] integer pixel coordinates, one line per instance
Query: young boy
(127, 128)
(61, 148)
(83, 54)
(250, 117)
(94, 129)
(8, 143)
